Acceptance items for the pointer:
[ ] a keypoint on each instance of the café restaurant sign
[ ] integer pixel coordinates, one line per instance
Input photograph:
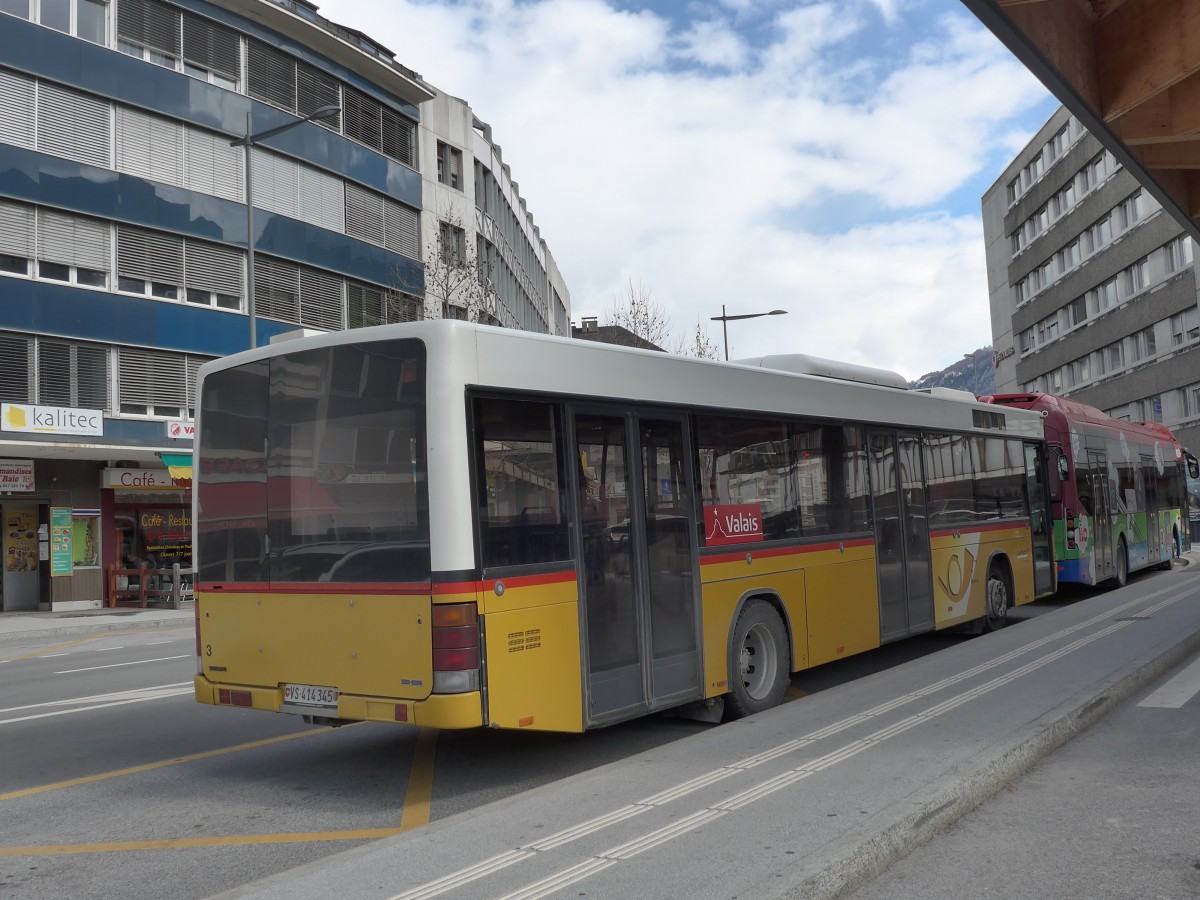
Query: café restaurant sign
(137, 479)
(28, 418)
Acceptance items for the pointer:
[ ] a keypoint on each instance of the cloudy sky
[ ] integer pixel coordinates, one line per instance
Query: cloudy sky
(827, 158)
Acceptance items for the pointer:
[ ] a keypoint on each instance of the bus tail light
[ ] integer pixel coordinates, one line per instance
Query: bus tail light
(455, 648)
(1070, 529)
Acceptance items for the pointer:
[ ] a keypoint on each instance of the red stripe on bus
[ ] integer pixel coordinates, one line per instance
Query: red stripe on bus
(407, 588)
(758, 553)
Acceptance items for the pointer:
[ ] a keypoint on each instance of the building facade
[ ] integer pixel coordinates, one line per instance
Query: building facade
(1093, 289)
(125, 258)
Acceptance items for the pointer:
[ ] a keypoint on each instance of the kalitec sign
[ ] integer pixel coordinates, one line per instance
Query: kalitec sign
(22, 417)
(732, 524)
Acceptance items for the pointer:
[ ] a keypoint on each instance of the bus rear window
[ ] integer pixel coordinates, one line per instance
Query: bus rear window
(312, 468)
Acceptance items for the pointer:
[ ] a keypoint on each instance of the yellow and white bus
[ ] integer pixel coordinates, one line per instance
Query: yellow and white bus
(460, 526)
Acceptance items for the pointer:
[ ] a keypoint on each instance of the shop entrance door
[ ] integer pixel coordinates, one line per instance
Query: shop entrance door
(20, 548)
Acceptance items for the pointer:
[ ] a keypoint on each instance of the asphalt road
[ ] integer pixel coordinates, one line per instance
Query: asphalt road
(117, 784)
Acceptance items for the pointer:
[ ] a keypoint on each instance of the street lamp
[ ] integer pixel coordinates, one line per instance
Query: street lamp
(726, 319)
(249, 141)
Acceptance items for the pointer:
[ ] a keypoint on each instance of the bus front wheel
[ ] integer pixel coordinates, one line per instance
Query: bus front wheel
(758, 664)
(998, 600)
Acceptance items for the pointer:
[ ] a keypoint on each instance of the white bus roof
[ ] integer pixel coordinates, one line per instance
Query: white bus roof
(501, 359)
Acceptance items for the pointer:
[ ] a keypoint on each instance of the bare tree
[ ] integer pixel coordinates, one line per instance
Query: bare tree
(457, 283)
(636, 312)
(703, 346)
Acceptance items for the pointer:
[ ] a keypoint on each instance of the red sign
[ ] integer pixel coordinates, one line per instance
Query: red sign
(732, 524)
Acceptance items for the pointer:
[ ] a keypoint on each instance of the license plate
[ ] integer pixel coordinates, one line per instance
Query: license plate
(310, 695)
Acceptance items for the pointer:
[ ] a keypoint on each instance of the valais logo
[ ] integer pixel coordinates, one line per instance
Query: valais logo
(735, 524)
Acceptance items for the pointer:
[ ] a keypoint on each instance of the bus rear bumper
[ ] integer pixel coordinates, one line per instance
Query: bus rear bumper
(435, 711)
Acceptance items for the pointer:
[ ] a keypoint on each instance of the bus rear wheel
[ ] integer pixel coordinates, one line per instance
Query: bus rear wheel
(758, 664)
(997, 601)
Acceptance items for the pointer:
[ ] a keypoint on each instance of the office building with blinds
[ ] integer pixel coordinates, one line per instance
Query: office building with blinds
(1093, 289)
(125, 253)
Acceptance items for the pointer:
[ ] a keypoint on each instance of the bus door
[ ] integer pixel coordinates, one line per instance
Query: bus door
(638, 562)
(1101, 516)
(1039, 517)
(901, 534)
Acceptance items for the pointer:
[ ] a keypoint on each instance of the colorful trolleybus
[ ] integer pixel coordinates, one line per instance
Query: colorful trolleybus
(1118, 490)
(457, 526)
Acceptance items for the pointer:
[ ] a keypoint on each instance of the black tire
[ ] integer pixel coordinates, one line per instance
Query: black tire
(759, 663)
(1120, 565)
(997, 600)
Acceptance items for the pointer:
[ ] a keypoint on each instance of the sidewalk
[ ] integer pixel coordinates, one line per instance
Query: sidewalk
(36, 625)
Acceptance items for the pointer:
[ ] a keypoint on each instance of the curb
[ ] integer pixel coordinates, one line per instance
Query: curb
(842, 872)
(83, 630)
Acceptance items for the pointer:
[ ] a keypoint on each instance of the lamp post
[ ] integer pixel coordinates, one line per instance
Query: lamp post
(725, 319)
(248, 142)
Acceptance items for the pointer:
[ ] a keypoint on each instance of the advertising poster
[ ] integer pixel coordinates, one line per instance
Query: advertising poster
(20, 540)
(61, 540)
(85, 540)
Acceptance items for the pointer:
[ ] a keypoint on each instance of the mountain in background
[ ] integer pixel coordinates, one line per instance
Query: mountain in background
(972, 373)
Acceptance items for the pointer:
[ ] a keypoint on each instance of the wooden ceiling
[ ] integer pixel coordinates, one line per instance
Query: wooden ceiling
(1130, 71)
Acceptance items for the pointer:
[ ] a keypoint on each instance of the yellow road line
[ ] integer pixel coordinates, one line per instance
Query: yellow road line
(301, 837)
(149, 767)
(420, 782)
(794, 693)
(37, 653)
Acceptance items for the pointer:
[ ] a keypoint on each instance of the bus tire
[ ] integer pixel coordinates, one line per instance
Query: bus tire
(1120, 565)
(998, 599)
(758, 663)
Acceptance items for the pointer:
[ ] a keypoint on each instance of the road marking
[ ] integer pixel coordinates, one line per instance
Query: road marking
(420, 782)
(41, 653)
(793, 693)
(1178, 691)
(299, 837)
(162, 764)
(136, 662)
(99, 701)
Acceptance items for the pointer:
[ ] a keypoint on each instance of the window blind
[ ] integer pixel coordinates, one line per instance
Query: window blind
(149, 146)
(320, 299)
(271, 75)
(149, 23)
(16, 109)
(211, 46)
(149, 255)
(211, 166)
(364, 214)
(73, 240)
(152, 377)
(73, 125)
(16, 229)
(16, 368)
(276, 289)
(211, 267)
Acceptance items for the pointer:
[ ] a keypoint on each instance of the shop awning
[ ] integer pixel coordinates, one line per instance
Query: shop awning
(179, 465)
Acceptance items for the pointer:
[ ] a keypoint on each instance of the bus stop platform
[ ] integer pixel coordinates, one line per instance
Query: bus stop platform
(809, 800)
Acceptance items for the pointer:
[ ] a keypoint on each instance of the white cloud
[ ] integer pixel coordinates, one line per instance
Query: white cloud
(699, 161)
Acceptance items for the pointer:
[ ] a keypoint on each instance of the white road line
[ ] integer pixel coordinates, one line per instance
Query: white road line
(1178, 691)
(67, 712)
(147, 693)
(136, 662)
